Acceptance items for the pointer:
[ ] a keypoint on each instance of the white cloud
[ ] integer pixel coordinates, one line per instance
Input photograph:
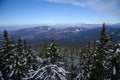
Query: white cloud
(108, 7)
(73, 2)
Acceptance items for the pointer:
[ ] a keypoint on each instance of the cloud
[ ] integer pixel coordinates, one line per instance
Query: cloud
(73, 2)
(107, 7)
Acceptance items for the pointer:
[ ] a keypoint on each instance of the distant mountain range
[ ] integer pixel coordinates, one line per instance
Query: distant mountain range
(17, 27)
(64, 35)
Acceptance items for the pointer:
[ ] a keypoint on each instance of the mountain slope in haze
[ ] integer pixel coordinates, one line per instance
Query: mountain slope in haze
(44, 33)
(69, 35)
(86, 25)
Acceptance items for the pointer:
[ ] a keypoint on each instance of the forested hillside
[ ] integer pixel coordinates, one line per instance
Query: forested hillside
(98, 60)
(65, 35)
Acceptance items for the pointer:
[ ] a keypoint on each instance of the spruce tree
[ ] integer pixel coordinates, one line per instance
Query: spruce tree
(53, 53)
(115, 69)
(102, 60)
(98, 70)
(49, 70)
(6, 39)
(103, 38)
(87, 61)
(16, 59)
(6, 54)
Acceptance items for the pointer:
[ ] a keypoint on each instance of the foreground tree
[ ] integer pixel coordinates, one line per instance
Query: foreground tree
(50, 69)
(6, 54)
(16, 58)
(98, 62)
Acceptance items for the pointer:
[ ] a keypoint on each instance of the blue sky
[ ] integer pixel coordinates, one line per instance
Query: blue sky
(19, 12)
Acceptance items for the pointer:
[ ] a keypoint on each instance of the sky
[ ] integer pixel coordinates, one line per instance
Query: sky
(20, 12)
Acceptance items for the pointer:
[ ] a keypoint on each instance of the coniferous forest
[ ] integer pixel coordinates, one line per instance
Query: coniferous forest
(95, 60)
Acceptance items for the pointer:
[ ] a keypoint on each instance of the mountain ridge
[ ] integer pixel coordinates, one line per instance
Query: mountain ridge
(68, 35)
(86, 25)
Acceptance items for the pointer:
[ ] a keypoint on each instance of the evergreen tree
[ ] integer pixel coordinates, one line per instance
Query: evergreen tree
(98, 70)
(87, 62)
(6, 39)
(6, 54)
(49, 70)
(115, 69)
(102, 62)
(16, 59)
(103, 39)
(97, 61)
(53, 53)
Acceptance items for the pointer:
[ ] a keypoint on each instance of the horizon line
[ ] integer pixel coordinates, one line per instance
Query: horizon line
(60, 23)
